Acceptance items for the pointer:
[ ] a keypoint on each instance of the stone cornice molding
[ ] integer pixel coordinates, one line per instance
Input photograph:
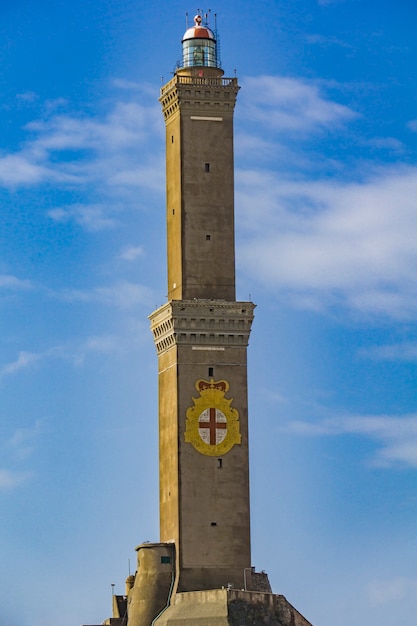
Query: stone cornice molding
(211, 94)
(202, 324)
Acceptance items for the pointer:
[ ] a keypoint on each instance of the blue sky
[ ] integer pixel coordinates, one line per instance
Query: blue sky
(326, 218)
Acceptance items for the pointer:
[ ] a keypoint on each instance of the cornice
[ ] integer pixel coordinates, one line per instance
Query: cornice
(210, 324)
(193, 93)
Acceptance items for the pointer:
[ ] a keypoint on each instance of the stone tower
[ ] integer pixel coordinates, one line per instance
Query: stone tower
(200, 572)
(201, 334)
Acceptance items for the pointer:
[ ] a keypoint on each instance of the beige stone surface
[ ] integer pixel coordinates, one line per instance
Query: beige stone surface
(202, 333)
(204, 500)
(222, 607)
(198, 109)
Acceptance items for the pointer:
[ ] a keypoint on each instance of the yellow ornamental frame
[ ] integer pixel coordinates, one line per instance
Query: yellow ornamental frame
(212, 397)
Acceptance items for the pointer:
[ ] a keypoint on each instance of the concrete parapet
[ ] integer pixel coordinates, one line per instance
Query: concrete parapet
(230, 607)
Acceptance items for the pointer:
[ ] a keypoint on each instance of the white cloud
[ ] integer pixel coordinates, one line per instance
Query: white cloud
(327, 41)
(83, 149)
(132, 253)
(325, 3)
(129, 85)
(10, 480)
(412, 125)
(27, 96)
(8, 281)
(23, 440)
(150, 175)
(406, 351)
(291, 105)
(21, 169)
(123, 295)
(23, 361)
(91, 217)
(15, 449)
(381, 592)
(101, 344)
(73, 352)
(391, 144)
(332, 243)
(126, 124)
(395, 437)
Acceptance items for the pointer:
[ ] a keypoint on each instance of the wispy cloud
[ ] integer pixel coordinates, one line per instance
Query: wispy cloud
(15, 449)
(381, 592)
(123, 295)
(128, 85)
(23, 441)
(7, 281)
(329, 243)
(327, 41)
(405, 351)
(91, 217)
(83, 149)
(72, 352)
(412, 125)
(395, 437)
(325, 3)
(22, 169)
(390, 144)
(125, 125)
(10, 479)
(26, 359)
(292, 105)
(131, 253)
(27, 96)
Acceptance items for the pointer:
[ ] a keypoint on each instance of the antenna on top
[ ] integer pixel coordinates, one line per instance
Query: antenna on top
(186, 20)
(217, 38)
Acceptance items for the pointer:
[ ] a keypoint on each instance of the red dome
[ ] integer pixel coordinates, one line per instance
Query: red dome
(198, 31)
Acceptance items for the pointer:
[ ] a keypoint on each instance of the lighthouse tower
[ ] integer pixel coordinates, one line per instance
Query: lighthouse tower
(201, 334)
(200, 571)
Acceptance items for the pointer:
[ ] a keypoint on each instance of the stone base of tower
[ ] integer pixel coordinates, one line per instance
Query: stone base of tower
(199, 579)
(230, 607)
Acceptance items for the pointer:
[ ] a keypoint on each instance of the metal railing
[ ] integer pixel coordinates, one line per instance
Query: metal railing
(199, 81)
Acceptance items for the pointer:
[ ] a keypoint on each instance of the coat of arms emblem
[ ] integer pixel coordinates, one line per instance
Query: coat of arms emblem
(212, 424)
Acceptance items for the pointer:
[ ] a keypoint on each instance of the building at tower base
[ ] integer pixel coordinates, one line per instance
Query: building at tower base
(230, 607)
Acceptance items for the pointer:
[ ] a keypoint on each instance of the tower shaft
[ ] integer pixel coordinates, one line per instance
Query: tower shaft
(202, 333)
(198, 110)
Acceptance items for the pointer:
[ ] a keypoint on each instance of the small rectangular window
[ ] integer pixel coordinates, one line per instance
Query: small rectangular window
(211, 371)
(172, 138)
(207, 167)
(220, 463)
(214, 523)
(165, 559)
(208, 237)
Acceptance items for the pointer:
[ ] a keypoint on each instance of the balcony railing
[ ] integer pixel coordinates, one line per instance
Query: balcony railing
(199, 81)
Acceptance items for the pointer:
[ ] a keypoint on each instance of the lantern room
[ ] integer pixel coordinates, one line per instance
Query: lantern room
(199, 48)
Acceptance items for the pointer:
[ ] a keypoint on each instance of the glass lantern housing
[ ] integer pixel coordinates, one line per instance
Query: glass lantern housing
(199, 52)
